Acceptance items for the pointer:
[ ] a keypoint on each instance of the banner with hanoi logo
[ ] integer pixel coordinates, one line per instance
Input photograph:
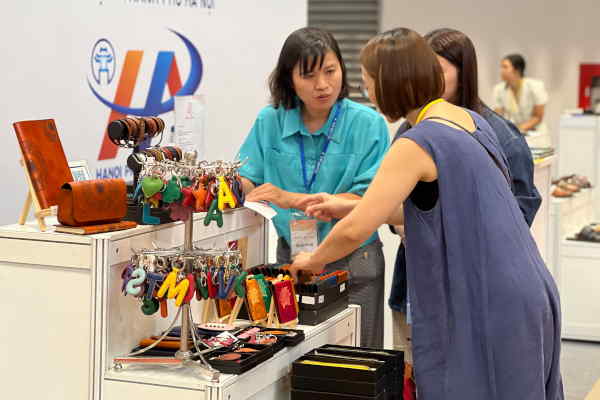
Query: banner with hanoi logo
(85, 63)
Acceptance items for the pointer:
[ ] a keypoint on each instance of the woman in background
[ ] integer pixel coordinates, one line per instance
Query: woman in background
(520, 99)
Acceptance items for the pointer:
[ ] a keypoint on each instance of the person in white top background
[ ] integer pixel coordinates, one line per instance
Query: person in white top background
(519, 99)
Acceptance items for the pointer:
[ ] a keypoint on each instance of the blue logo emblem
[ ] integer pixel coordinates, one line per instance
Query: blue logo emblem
(165, 74)
(103, 62)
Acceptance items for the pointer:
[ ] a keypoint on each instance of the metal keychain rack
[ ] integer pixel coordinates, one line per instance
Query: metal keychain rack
(184, 356)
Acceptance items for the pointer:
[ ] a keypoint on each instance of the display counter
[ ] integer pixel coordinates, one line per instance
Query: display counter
(67, 318)
(542, 178)
(579, 149)
(575, 266)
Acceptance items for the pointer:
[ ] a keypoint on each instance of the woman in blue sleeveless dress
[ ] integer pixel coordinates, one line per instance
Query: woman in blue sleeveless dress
(485, 310)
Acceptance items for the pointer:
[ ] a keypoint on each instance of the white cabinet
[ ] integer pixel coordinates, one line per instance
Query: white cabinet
(64, 318)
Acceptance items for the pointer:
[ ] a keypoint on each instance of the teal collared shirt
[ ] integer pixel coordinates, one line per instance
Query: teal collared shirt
(358, 144)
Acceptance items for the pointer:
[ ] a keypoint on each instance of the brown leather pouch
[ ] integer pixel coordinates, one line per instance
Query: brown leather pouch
(94, 202)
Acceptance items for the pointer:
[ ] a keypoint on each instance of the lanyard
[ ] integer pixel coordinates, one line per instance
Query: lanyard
(308, 184)
(426, 108)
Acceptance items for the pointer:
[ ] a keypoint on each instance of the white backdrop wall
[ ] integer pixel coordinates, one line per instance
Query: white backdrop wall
(46, 64)
(554, 36)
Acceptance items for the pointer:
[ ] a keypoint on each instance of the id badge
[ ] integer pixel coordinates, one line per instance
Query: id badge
(304, 233)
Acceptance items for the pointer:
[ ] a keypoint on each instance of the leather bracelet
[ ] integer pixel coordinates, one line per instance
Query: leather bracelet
(151, 126)
(141, 134)
(131, 129)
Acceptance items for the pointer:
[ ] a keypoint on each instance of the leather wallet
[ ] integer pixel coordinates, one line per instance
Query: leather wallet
(99, 201)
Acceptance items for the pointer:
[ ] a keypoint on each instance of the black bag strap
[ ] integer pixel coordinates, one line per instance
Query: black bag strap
(498, 164)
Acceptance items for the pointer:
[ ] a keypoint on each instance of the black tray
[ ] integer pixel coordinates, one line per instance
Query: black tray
(288, 341)
(248, 360)
(315, 317)
(310, 395)
(281, 340)
(339, 386)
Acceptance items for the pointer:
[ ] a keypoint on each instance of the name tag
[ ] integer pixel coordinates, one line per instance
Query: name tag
(304, 234)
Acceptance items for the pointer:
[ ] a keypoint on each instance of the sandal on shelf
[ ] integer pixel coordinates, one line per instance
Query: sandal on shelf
(571, 187)
(561, 193)
(581, 181)
(589, 233)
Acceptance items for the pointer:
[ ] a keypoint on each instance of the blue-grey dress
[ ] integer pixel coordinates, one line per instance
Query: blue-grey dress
(486, 311)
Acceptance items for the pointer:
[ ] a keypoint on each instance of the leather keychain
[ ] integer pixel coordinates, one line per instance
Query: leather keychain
(126, 276)
(148, 219)
(202, 285)
(164, 308)
(225, 284)
(191, 289)
(240, 289)
(153, 279)
(188, 197)
(210, 194)
(150, 306)
(214, 214)
(172, 191)
(212, 289)
(200, 194)
(224, 194)
(134, 286)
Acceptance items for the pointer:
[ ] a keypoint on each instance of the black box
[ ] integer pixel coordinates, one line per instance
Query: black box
(315, 317)
(392, 357)
(308, 395)
(340, 386)
(322, 296)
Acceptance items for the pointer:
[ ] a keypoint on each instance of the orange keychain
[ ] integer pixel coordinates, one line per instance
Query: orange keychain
(200, 193)
(256, 302)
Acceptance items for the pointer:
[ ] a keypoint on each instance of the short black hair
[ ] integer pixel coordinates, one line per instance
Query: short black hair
(518, 62)
(308, 47)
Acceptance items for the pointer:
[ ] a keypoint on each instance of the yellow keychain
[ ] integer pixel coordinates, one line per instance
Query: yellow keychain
(175, 289)
(225, 195)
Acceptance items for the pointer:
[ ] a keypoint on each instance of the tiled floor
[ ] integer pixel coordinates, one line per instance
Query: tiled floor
(580, 368)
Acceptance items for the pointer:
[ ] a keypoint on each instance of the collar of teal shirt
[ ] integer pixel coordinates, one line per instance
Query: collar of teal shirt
(293, 123)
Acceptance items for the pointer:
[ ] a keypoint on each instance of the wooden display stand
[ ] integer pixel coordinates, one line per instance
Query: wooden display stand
(273, 319)
(39, 212)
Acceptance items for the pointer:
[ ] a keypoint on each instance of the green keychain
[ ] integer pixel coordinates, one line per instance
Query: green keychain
(185, 181)
(201, 288)
(214, 214)
(172, 191)
(150, 306)
(240, 290)
(151, 185)
(266, 292)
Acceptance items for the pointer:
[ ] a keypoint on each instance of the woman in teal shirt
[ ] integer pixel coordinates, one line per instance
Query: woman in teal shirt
(313, 139)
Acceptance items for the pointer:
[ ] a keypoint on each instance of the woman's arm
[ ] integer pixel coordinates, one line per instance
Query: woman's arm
(537, 115)
(405, 165)
(282, 198)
